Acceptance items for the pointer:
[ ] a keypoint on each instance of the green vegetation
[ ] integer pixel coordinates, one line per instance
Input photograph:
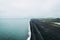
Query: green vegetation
(50, 19)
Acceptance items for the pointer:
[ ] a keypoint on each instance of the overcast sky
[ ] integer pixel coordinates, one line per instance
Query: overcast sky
(29, 8)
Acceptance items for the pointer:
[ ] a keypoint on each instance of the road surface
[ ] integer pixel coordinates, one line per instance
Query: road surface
(43, 31)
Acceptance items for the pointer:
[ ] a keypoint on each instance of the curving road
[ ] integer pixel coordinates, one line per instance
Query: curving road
(43, 31)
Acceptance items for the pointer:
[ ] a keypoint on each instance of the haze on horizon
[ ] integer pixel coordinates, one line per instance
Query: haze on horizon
(29, 8)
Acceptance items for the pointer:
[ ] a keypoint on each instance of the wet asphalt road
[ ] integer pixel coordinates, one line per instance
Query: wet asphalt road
(43, 31)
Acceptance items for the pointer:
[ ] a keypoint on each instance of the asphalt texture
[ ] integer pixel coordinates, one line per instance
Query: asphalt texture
(43, 31)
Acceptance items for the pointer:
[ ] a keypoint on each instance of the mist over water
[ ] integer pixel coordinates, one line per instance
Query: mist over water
(14, 28)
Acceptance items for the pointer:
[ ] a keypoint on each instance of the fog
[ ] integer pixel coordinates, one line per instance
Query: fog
(29, 8)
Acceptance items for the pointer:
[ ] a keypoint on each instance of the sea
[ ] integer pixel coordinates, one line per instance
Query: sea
(14, 28)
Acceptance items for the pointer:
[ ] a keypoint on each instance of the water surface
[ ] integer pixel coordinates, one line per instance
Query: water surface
(14, 28)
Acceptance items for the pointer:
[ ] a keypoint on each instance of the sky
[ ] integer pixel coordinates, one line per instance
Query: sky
(29, 8)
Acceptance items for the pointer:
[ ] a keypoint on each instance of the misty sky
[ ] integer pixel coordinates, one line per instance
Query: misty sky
(29, 8)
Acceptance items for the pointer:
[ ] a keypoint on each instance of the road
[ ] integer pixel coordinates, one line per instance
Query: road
(43, 31)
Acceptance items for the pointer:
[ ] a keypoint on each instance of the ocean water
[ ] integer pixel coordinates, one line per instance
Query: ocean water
(14, 28)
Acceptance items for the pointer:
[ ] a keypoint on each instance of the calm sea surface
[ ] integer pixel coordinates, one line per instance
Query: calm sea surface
(14, 28)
